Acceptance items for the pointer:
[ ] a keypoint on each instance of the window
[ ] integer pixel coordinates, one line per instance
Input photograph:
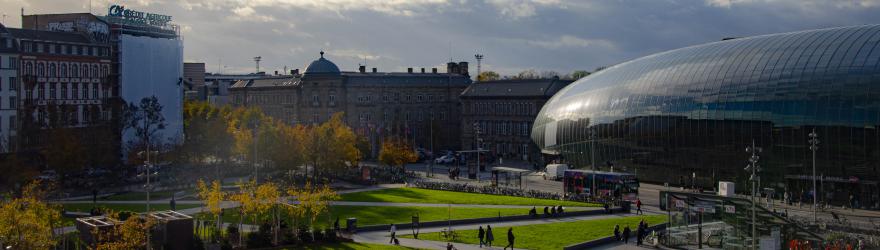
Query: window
(12, 123)
(94, 71)
(29, 69)
(52, 91)
(315, 118)
(74, 70)
(41, 69)
(74, 91)
(79, 50)
(64, 91)
(95, 91)
(63, 70)
(332, 99)
(85, 91)
(41, 91)
(315, 100)
(52, 70)
(13, 103)
(85, 71)
(26, 46)
(420, 98)
(442, 115)
(13, 63)
(407, 98)
(385, 98)
(45, 48)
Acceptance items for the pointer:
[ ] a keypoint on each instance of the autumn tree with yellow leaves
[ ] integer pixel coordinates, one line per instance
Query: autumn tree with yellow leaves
(212, 195)
(26, 222)
(396, 152)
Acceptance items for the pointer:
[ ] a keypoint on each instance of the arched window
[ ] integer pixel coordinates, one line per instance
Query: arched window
(105, 71)
(41, 69)
(52, 70)
(74, 70)
(85, 71)
(94, 71)
(64, 70)
(29, 68)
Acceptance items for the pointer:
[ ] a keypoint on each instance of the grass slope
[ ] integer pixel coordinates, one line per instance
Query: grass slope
(551, 235)
(418, 195)
(86, 207)
(368, 215)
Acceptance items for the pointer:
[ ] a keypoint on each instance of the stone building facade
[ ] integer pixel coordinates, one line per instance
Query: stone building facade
(422, 107)
(503, 112)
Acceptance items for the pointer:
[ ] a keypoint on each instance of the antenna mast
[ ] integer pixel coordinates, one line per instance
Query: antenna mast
(257, 60)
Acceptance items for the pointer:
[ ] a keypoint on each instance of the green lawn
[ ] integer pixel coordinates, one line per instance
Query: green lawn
(418, 195)
(86, 207)
(352, 246)
(367, 215)
(138, 196)
(552, 235)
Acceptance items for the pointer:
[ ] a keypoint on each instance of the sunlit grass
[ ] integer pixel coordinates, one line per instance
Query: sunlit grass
(418, 195)
(551, 235)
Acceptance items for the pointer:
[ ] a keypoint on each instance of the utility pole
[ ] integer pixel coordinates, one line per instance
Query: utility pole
(257, 60)
(754, 168)
(479, 58)
(814, 145)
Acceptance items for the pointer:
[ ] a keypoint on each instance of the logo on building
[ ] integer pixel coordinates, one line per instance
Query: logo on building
(138, 17)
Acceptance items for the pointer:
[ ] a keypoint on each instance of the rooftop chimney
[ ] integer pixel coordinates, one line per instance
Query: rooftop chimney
(295, 72)
(452, 68)
(434, 70)
(463, 68)
(409, 70)
(276, 72)
(362, 69)
(374, 70)
(423, 70)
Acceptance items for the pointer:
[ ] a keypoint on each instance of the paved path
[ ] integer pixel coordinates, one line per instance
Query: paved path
(384, 237)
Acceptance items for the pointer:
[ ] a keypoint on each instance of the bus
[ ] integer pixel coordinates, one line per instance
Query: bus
(623, 186)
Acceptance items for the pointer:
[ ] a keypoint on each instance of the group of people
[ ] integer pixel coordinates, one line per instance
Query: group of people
(548, 211)
(641, 232)
(486, 237)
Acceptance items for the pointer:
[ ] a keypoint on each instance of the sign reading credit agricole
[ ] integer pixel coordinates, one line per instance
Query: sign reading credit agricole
(138, 16)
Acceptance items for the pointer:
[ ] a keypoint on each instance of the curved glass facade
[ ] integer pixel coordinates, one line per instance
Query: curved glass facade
(692, 111)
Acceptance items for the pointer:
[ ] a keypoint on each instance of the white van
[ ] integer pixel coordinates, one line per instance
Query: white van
(555, 171)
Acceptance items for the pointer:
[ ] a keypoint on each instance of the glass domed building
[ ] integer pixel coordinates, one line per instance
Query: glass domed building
(692, 112)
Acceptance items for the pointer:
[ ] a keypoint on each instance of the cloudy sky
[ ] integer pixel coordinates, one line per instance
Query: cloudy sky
(514, 35)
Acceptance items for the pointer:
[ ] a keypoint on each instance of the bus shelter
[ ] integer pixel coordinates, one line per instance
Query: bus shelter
(471, 161)
(508, 173)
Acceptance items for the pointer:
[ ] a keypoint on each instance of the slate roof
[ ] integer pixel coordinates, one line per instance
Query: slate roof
(515, 88)
(49, 35)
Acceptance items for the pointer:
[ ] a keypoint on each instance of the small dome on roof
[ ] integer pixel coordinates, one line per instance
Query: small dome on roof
(322, 67)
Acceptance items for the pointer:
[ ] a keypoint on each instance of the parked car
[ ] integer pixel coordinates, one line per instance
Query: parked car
(48, 175)
(446, 159)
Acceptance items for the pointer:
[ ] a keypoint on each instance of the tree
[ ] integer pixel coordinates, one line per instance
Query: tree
(27, 222)
(146, 120)
(526, 74)
(64, 152)
(213, 197)
(314, 201)
(488, 76)
(246, 202)
(549, 74)
(395, 152)
(130, 234)
(331, 146)
(578, 74)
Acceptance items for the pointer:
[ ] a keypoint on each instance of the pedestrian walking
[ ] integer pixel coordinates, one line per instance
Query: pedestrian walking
(617, 232)
(638, 206)
(489, 236)
(481, 234)
(510, 238)
(639, 233)
(393, 233)
(626, 234)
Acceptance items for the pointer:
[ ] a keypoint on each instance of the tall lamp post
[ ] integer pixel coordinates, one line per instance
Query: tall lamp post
(814, 145)
(477, 143)
(754, 168)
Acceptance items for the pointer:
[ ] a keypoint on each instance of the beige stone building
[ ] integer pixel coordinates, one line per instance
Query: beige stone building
(421, 106)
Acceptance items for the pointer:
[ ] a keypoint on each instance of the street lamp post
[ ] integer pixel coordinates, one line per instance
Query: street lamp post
(754, 168)
(477, 144)
(814, 145)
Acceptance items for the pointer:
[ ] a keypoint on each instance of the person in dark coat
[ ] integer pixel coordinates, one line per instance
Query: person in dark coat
(489, 236)
(480, 234)
(559, 209)
(546, 211)
(639, 233)
(617, 232)
(510, 238)
(626, 234)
